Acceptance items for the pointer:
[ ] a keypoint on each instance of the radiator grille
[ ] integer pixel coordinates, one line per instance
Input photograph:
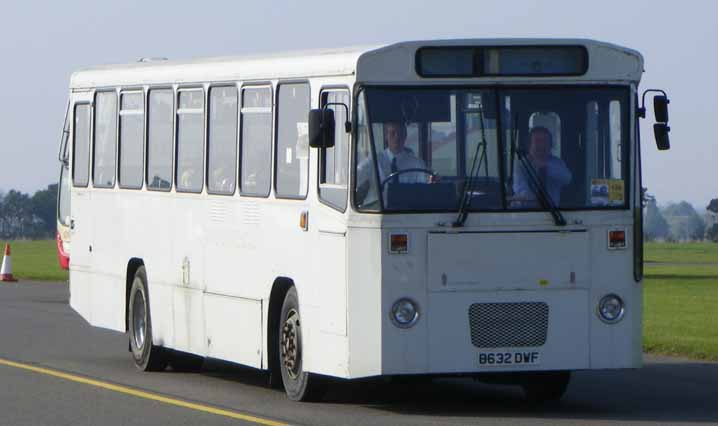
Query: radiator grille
(505, 325)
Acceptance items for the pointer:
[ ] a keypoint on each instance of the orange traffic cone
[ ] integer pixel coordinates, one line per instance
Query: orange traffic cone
(6, 270)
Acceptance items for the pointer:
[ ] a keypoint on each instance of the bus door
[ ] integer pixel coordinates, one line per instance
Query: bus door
(81, 220)
(330, 220)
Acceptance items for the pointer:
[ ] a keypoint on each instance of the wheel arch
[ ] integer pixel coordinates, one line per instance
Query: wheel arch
(132, 265)
(280, 287)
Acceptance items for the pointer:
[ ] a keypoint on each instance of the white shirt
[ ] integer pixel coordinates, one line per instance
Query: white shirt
(405, 159)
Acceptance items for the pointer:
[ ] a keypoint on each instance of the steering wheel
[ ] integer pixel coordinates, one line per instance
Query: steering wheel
(400, 172)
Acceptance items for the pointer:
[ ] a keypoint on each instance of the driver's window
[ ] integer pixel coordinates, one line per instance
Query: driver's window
(334, 161)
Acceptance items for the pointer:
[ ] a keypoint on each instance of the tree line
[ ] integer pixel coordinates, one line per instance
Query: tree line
(34, 217)
(679, 222)
(28, 217)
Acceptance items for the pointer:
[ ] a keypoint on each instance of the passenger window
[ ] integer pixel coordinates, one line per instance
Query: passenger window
(81, 146)
(159, 139)
(292, 154)
(334, 161)
(222, 162)
(105, 130)
(190, 140)
(132, 128)
(256, 141)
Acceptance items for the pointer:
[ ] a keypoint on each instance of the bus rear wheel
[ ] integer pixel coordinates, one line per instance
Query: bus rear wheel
(298, 384)
(546, 387)
(147, 356)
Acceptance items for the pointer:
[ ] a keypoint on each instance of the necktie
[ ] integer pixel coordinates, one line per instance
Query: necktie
(394, 169)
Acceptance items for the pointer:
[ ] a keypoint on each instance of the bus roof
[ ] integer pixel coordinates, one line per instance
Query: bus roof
(369, 63)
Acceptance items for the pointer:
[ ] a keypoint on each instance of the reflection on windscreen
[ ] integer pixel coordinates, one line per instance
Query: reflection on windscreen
(428, 149)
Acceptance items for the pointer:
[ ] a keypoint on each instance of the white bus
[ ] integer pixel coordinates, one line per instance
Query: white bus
(430, 208)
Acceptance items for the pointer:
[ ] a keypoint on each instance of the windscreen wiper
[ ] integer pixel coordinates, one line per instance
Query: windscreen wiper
(539, 189)
(467, 194)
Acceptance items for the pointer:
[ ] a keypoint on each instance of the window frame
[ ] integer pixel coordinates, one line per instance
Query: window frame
(93, 125)
(145, 96)
(272, 91)
(89, 143)
(322, 151)
(275, 142)
(173, 125)
(177, 92)
(236, 139)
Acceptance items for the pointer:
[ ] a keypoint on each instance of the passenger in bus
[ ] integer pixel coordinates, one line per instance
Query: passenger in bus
(550, 170)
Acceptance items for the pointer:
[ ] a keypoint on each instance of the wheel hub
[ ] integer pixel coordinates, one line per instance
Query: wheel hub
(290, 344)
(139, 319)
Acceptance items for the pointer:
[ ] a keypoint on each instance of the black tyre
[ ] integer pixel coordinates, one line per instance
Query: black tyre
(146, 355)
(546, 387)
(298, 384)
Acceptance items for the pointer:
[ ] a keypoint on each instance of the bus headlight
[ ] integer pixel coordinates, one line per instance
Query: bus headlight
(404, 313)
(611, 309)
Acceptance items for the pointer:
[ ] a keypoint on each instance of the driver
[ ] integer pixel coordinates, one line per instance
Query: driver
(397, 157)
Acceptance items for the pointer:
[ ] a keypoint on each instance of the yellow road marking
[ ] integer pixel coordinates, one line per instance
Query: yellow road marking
(143, 394)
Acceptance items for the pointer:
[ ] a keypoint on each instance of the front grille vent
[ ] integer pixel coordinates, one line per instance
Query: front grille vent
(508, 325)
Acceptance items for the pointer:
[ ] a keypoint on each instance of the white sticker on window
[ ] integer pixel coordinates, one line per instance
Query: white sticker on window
(288, 157)
(302, 140)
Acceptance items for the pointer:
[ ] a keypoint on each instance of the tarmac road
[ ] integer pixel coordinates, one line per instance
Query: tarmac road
(57, 370)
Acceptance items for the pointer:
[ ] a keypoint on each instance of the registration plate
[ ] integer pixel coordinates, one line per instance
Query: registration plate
(509, 358)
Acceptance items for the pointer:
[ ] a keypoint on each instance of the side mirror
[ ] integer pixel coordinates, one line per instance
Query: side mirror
(321, 128)
(660, 130)
(660, 108)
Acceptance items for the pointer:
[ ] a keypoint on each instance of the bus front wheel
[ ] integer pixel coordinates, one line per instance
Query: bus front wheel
(146, 355)
(298, 384)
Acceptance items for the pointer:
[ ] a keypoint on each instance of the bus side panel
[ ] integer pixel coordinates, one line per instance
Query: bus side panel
(188, 257)
(365, 314)
(615, 345)
(97, 279)
(109, 269)
(80, 282)
(234, 329)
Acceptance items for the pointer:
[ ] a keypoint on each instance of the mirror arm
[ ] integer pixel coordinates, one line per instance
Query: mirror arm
(347, 123)
(642, 109)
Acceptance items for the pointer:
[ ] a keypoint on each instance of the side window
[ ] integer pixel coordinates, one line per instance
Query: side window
(105, 131)
(334, 161)
(222, 162)
(160, 139)
(190, 140)
(256, 141)
(132, 130)
(292, 153)
(81, 146)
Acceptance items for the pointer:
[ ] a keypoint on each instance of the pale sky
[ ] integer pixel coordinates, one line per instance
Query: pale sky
(42, 43)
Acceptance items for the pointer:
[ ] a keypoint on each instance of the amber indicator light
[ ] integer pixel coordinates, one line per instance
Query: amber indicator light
(304, 221)
(399, 243)
(617, 239)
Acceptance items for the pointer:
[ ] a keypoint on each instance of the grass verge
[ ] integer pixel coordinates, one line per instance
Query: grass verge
(680, 309)
(35, 260)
